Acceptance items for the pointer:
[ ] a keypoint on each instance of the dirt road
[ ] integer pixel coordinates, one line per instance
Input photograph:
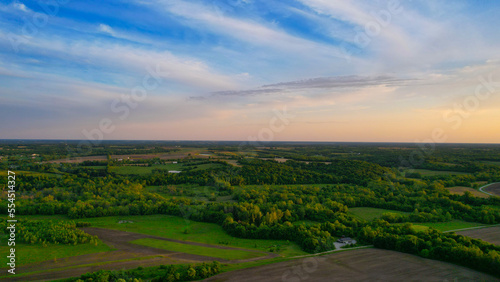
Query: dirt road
(126, 256)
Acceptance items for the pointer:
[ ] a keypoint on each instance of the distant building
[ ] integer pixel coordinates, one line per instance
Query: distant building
(174, 171)
(345, 240)
(174, 162)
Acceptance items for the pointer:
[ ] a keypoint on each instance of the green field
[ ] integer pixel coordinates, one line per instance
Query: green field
(263, 187)
(205, 166)
(426, 172)
(371, 213)
(491, 162)
(197, 250)
(29, 173)
(192, 150)
(28, 254)
(141, 170)
(55, 217)
(162, 190)
(446, 226)
(201, 193)
(173, 227)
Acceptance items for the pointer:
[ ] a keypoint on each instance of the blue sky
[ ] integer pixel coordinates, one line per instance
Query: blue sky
(220, 70)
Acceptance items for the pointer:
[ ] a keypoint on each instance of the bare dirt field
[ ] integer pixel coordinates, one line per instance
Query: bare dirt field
(460, 190)
(493, 189)
(79, 159)
(232, 162)
(126, 256)
(357, 265)
(490, 234)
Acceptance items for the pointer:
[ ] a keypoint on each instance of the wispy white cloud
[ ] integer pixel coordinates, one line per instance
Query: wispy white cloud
(109, 55)
(252, 32)
(343, 10)
(20, 6)
(239, 60)
(397, 36)
(106, 29)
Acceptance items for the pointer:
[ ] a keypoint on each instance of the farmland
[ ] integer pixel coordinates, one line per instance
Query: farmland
(458, 190)
(255, 207)
(427, 172)
(446, 226)
(216, 253)
(127, 250)
(142, 170)
(31, 254)
(493, 189)
(249, 140)
(490, 234)
(357, 265)
(190, 231)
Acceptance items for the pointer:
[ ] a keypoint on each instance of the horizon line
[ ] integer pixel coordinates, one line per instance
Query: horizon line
(242, 141)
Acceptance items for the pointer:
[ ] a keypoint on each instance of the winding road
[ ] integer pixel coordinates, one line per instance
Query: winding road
(494, 189)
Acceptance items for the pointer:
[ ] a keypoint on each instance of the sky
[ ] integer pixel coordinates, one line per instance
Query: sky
(299, 70)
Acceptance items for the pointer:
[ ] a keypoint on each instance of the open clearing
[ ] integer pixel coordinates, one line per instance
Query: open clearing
(493, 189)
(491, 162)
(29, 173)
(371, 213)
(490, 234)
(29, 254)
(357, 265)
(446, 226)
(128, 255)
(151, 245)
(173, 227)
(460, 190)
(427, 172)
(125, 256)
(232, 162)
(141, 170)
(182, 154)
(197, 250)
